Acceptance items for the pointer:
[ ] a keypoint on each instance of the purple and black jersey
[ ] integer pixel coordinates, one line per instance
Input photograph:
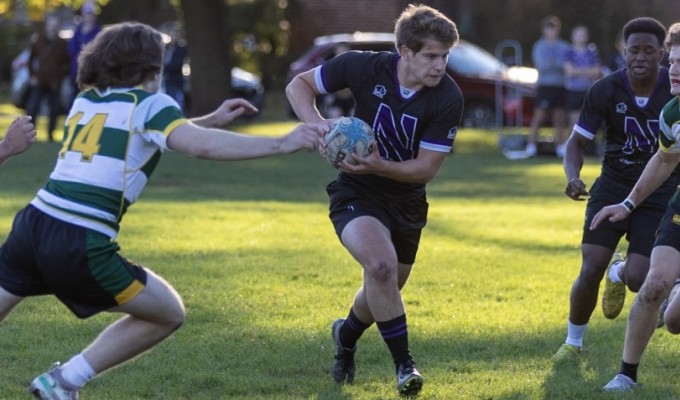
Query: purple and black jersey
(631, 124)
(403, 125)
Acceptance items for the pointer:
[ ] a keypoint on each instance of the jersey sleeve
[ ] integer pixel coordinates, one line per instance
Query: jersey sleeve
(669, 124)
(442, 129)
(339, 72)
(593, 110)
(156, 117)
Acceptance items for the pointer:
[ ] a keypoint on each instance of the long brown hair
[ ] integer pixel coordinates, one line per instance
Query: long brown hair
(127, 54)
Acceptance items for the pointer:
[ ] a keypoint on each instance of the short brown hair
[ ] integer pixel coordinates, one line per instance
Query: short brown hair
(418, 22)
(123, 55)
(673, 36)
(551, 21)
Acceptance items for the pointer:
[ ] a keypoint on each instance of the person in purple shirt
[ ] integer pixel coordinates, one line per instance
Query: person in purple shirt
(82, 35)
(581, 69)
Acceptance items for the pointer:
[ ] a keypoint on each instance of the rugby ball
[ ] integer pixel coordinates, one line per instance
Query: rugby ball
(348, 135)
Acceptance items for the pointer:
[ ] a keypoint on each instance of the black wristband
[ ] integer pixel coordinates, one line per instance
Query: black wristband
(629, 204)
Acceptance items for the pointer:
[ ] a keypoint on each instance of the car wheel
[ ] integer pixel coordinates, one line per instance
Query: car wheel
(478, 114)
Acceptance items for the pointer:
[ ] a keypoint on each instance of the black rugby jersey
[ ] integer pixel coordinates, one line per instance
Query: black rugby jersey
(429, 119)
(632, 130)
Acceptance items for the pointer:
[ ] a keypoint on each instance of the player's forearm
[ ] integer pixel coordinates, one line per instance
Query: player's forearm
(7, 150)
(573, 156)
(4, 154)
(225, 145)
(411, 171)
(205, 121)
(657, 170)
(215, 144)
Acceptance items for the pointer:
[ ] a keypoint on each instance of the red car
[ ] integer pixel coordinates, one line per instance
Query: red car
(478, 73)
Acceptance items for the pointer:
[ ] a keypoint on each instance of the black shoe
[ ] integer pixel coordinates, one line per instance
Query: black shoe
(343, 365)
(409, 380)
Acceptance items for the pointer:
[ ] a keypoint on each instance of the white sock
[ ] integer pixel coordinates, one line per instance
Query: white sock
(575, 334)
(77, 371)
(615, 271)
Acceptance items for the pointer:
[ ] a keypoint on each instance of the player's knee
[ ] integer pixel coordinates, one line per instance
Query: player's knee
(634, 284)
(672, 324)
(589, 277)
(381, 271)
(652, 291)
(177, 315)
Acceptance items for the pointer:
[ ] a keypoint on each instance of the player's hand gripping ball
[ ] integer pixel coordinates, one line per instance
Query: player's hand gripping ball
(348, 135)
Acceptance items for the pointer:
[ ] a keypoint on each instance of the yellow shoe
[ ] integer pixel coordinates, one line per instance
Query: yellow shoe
(614, 292)
(567, 352)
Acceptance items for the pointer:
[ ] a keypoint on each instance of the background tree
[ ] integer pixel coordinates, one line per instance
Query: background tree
(257, 36)
(207, 38)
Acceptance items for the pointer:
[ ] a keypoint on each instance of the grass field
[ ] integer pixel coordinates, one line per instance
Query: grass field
(249, 247)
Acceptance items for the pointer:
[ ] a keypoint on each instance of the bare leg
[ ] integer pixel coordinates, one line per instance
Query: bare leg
(7, 303)
(672, 314)
(360, 306)
(536, 123)
(369, 242)
(583, 297)
(153, 315)
(665, 267)
(635, 271)
(558, 117)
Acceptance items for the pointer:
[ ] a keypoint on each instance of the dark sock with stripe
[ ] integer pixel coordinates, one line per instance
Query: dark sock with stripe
(351, 330)
(630, 370)
(395, 334)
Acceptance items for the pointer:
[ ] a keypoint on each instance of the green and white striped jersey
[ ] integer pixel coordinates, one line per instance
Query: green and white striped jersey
(113, 142)
(669, 124)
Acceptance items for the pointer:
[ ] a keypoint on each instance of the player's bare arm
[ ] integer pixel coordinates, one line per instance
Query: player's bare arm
(419, 170)
(657, 170)
(301, 93)
(573, 162)
(20, 136)
(226, 113)
(217, 144)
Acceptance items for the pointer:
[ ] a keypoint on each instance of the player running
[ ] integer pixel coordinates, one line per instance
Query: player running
(665, 264)
(627, 103)
(63, 242)
(378, 207)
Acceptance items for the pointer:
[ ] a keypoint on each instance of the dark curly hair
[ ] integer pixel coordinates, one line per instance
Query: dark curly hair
(645, 25)
(127, 54)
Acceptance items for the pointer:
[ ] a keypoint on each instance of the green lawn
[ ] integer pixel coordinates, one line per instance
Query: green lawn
(249, 247)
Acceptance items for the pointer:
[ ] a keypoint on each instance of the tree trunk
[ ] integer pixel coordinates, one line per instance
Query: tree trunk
(208, 45)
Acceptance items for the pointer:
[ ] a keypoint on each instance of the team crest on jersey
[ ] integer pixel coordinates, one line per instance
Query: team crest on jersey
(676, 219)
(621, 108)
(452, 133)
(380, 91)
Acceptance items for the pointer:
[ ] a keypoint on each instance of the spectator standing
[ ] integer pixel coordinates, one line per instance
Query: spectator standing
(48, 65)
(84, 33)
(581, 69)
(548, 56)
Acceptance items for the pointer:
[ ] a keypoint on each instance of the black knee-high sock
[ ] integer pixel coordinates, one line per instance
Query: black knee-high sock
(351, 330)
(395, 334)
